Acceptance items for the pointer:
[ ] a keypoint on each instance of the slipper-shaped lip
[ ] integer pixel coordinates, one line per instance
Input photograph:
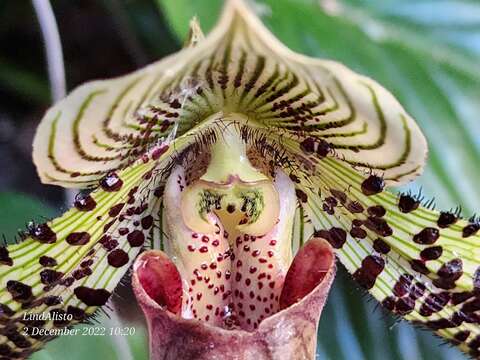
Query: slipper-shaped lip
(291, 333)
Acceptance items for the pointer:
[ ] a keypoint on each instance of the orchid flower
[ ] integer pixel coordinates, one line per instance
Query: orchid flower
(243, 169)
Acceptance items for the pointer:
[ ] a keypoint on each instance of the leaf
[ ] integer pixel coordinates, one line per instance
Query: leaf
(424, 53)
(179, 13)
(24, 83)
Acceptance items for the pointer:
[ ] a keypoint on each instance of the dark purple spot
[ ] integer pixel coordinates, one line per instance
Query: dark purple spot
(77, 313)
(431, 253)
(323, 148)
(357, 222)
(68, 281)
(78, 274)
(389, 303)
(339, 195)
(404, 306)
(136, 238)
(460, 297)
(140, 209)
(335, 236)
(470, 230)
(104, 239)
(43, 234)
(417, 290)
(111, 182)
(419, 266)
(367, 274)
(117, 258)
(427, 236)
(471, 306)
(92, 297)
(78, 238)
(338, 237)
(115, 209)
(331, 201)
(308, 145)
(354, 207)
(372, 185)
(5, 351)
(358, 233)
(448, 274)
(175, 104)
(84, 203)
(5, 311)
(433, 303)
(381, 246)
(86, 263)
(12, 334)
(159, 191)
(476, 279)
(49, 276)
(458, 318)
(379, 226)
(451, 270)
(147, 222)
(52, 300)
(444, 283)
(132, 192)
(407, 203)
(19, 291)
(461, 336)
(159, 151)
(301, 195)
(110, 245)
(328, 209)
(108, 226)
(47, 261)
(5, 256)
(59, 316)
(440, 324)
(376, 211)
(475, 343)
(292, 177)
(446, 219)
(403, 286)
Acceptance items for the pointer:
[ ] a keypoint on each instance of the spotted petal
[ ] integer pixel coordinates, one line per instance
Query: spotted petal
(419, 263)
(70, 266)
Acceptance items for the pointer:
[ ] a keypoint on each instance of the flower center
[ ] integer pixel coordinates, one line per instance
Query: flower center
(229, 236)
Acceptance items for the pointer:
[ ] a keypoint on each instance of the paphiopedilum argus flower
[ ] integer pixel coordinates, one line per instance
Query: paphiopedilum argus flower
(240, 167)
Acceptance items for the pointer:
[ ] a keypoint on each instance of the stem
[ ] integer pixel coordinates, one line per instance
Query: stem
(53, 48)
